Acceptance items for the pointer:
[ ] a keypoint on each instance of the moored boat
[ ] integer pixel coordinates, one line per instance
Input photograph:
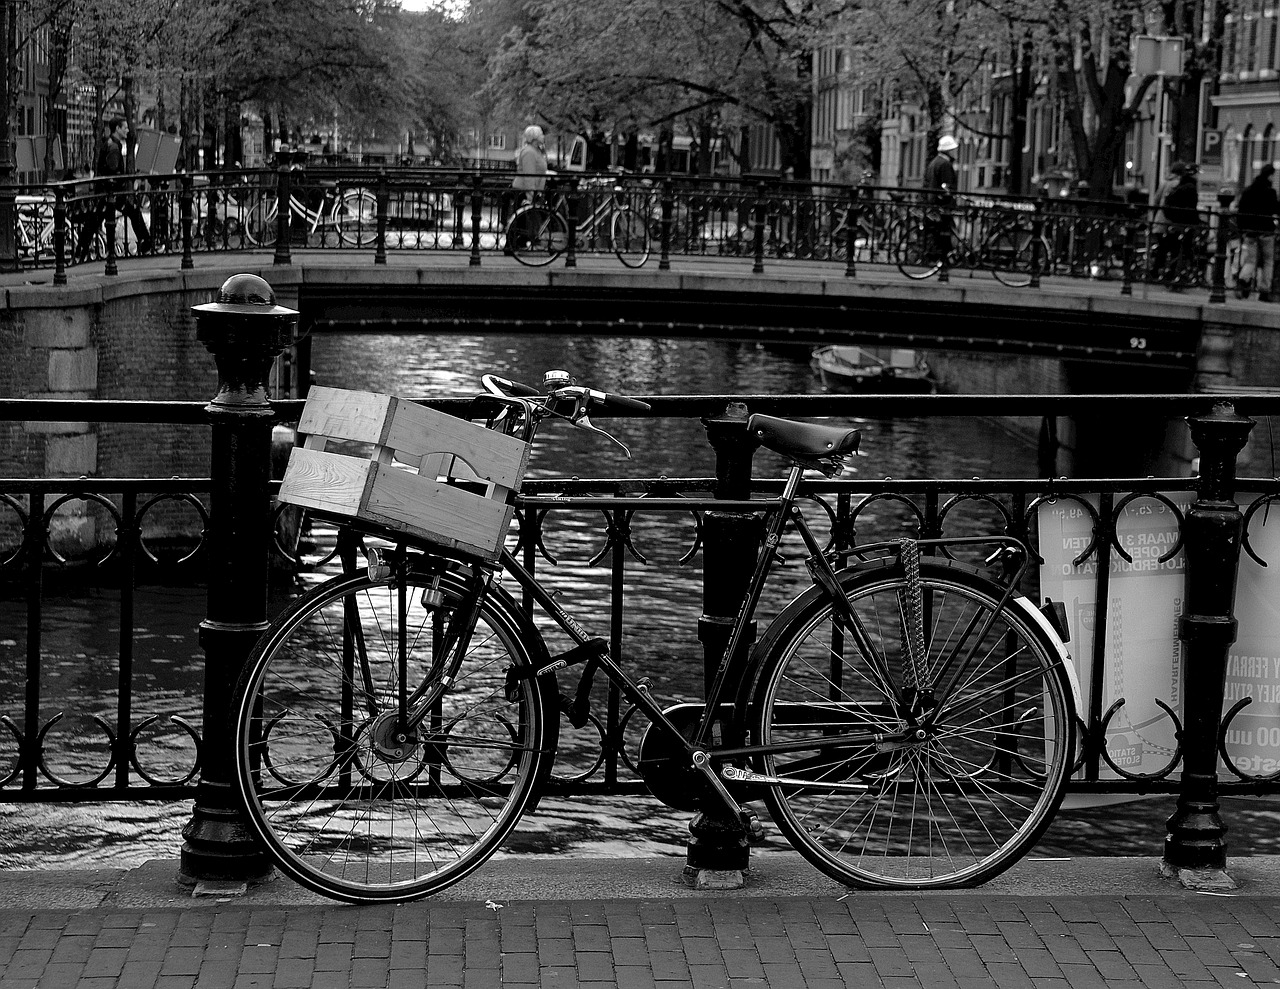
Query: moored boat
(889, 369)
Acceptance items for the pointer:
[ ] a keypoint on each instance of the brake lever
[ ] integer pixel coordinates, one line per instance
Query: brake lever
(584, 420)
(580, 418)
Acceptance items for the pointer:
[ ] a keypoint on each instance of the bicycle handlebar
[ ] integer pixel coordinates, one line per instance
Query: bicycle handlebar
(558, 387)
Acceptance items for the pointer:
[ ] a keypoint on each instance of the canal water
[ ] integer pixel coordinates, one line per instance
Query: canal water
(81, 634)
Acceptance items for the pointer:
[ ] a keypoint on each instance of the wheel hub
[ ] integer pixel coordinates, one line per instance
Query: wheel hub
(389, 741)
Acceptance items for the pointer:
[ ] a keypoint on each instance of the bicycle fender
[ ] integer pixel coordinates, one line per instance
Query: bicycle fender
(1035, 617)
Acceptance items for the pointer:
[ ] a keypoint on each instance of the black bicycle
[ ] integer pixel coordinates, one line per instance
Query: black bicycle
(908, 720)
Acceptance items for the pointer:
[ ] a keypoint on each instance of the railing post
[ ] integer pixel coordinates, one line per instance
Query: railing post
(757, 238)
(186, 207)
(1130, 247)
(946, 237)
(60, 236)
(571, 220)
(477, 204)
(383, 198)
(1195, 849)
(668, 211)
(851, 230)
(109, 228)
(718, 852)
(1218, 290)
(284, 209)
(1037, 233)
(244, 330)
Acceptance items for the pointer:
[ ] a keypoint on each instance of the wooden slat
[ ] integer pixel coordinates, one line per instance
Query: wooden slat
(343, 414)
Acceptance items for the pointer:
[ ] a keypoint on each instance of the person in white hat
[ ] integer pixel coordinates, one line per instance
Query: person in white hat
(941, 171)
(940, 187)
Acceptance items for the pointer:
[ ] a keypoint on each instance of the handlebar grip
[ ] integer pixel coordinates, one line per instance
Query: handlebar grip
(623, 402)
(516, 389)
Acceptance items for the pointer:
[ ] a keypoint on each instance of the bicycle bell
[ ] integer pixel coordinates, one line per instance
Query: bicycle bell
(556, 379)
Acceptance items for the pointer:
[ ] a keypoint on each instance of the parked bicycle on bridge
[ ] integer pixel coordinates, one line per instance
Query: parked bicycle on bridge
(538, 232)
(908, 720)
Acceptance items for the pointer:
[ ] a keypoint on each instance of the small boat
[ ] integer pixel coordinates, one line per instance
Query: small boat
(884, 369)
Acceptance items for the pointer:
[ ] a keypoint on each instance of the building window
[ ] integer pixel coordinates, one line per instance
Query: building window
(497, 142)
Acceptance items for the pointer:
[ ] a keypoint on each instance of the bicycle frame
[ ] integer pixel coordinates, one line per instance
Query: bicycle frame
(911, 700)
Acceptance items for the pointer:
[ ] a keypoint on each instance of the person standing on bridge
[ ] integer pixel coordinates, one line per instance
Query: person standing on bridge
(940, 188)
(1175, 253)
(531, 174)
(1256, 215)
(531, 164)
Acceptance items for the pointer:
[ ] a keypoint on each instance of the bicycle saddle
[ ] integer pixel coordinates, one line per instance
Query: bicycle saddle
(803, 440)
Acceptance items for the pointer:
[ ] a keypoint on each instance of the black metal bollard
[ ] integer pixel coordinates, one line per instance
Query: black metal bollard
(573, 201)
(284, 208)
(717, 852)
(1037, 235)
(757, 234)
(1195, 848)
(851, 231)
(109, 228)
(186, 209)
(477, 204)
(668, 209)
(1218, 290)
(60, 236)
(1130, 247)
(383, 199)
(244, 330)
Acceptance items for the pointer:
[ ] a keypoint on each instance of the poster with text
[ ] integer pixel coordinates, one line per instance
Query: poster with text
(1141, 654)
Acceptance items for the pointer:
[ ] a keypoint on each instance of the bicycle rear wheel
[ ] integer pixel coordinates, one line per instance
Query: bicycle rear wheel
(982, 757)
(629, 238)
(344, 804)
(536, 236)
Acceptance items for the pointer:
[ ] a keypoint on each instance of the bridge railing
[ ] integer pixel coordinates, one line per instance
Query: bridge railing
(406, 210)
(92, 709)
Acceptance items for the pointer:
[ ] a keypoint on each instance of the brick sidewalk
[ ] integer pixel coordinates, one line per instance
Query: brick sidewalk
(864, 940)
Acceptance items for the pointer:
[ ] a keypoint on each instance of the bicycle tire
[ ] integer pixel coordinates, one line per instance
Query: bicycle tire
(1007, 254)
(354, 823)
(953, 809)
(629, 238)
(355, 215)
(260, 223)
(536, 236)
(912, 253)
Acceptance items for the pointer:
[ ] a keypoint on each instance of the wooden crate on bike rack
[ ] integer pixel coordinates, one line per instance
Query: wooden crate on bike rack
(430, 475)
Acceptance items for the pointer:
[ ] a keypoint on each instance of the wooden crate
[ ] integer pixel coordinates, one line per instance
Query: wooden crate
(430, 476)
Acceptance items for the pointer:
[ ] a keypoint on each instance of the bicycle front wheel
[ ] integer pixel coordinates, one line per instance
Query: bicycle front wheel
(1007, 252)
(349, 803)
(976, 730)
(629, 237)
(536, 236)
(356, 217)
(259, 221)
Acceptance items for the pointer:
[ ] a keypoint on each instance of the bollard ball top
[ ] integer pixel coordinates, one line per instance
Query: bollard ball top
(245, 295)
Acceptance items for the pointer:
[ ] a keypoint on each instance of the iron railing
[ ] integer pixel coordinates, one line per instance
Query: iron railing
(429, 210)
(149, 746)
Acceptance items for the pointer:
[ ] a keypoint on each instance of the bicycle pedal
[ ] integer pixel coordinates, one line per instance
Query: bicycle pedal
(754, 829)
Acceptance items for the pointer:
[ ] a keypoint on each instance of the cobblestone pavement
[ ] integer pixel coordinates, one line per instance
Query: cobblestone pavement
(1090, 922)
